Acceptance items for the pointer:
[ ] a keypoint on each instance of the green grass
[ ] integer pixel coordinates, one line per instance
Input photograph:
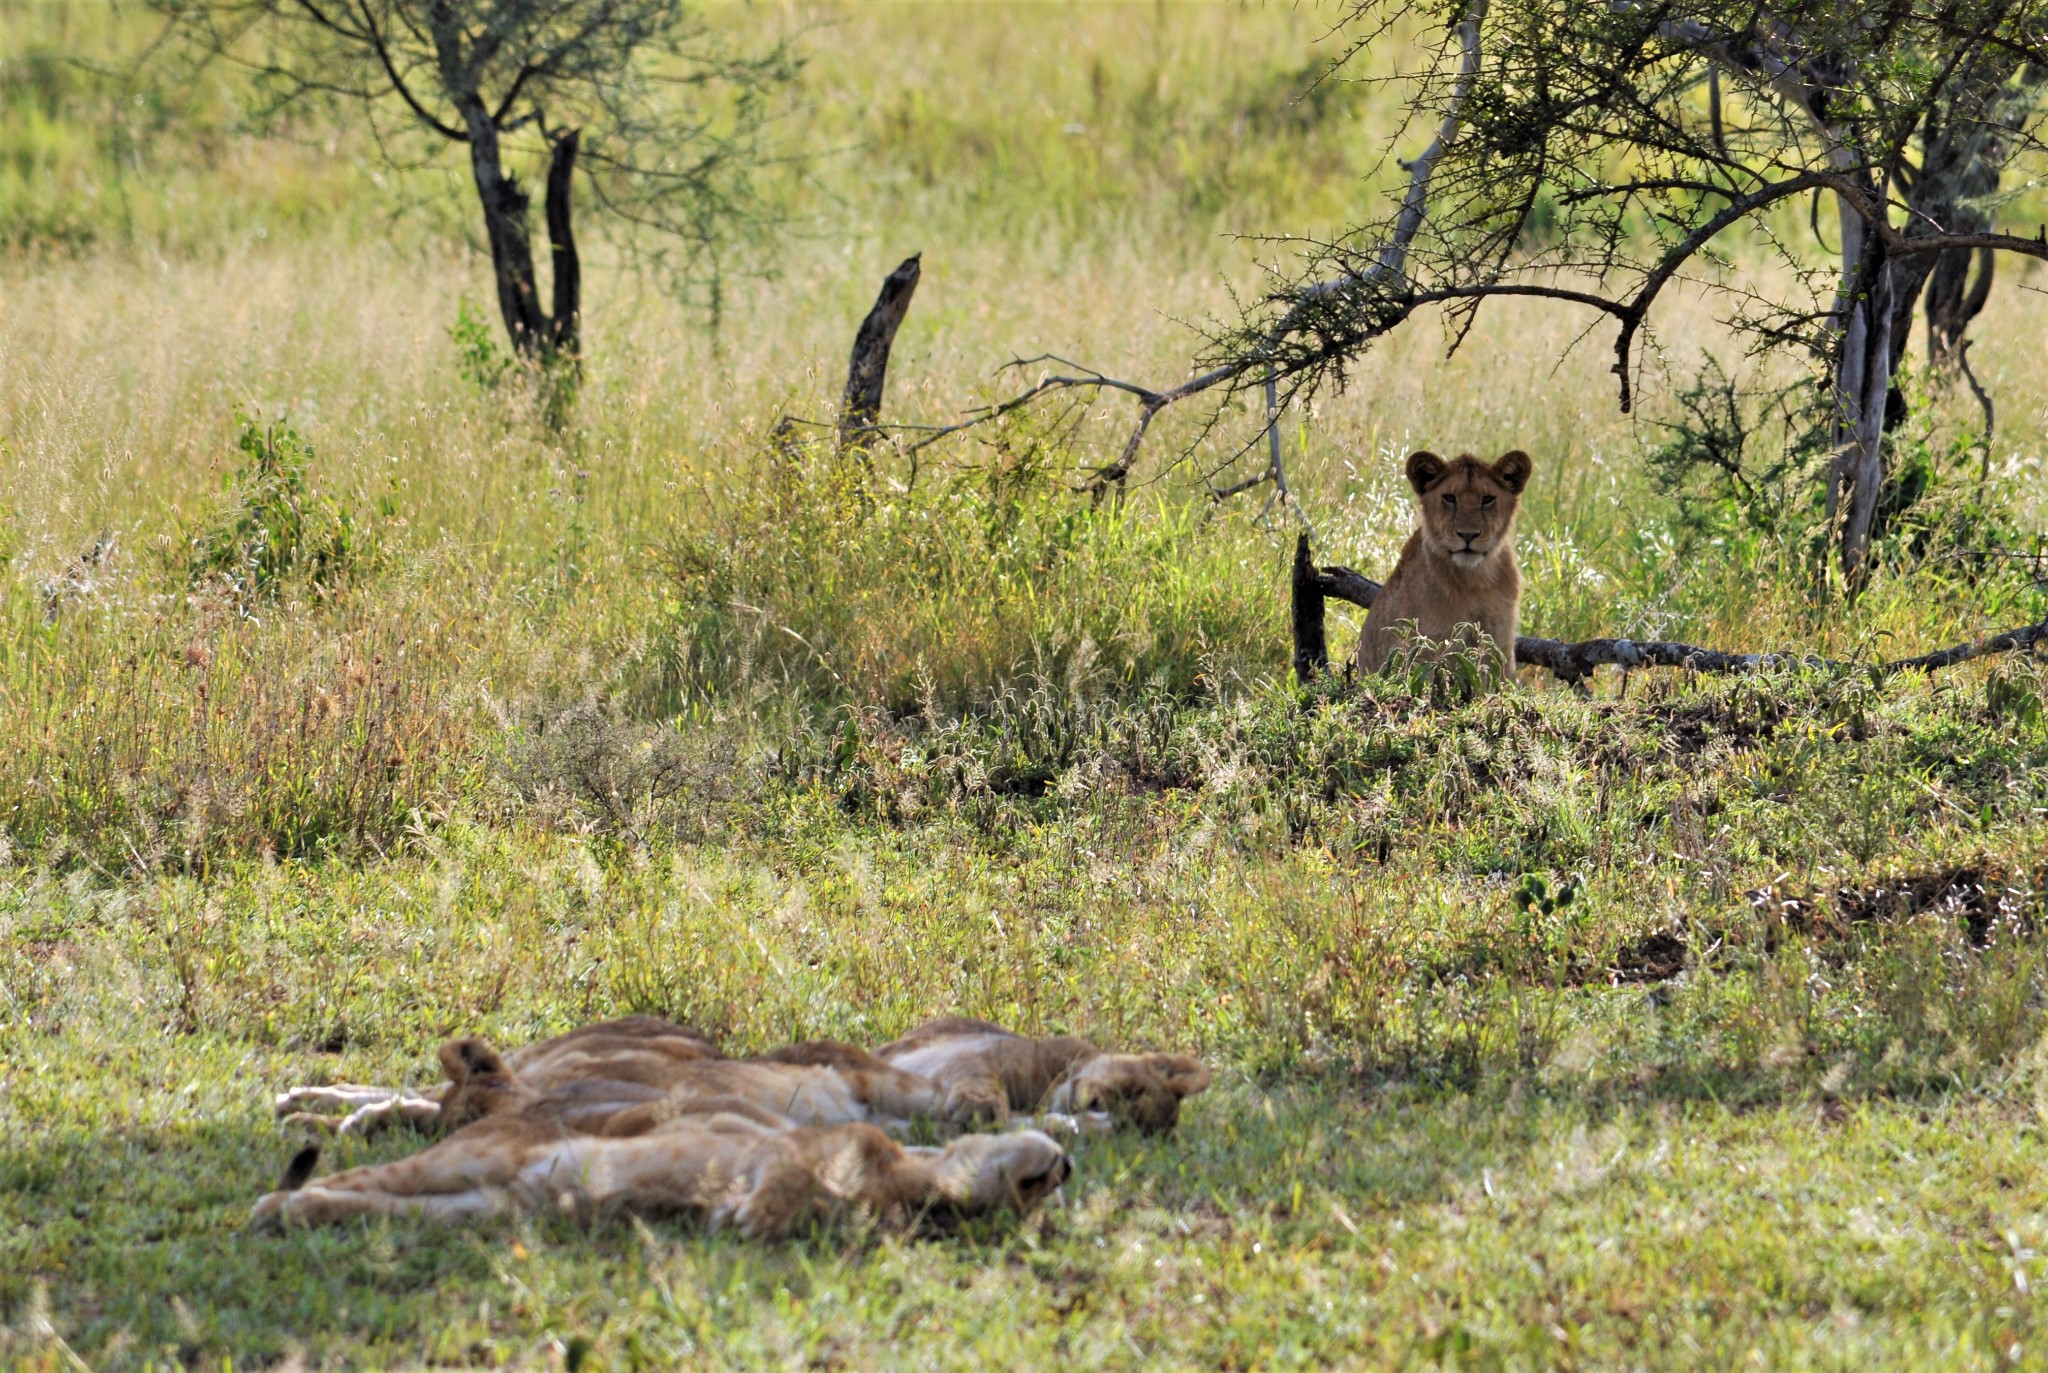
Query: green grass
(454, 723)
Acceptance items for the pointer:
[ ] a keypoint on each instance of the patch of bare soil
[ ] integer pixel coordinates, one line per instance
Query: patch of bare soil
(1985, 898)
(1655, 958)
(1690, 728)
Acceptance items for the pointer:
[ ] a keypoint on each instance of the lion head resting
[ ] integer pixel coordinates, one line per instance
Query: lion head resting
(1142, 1089)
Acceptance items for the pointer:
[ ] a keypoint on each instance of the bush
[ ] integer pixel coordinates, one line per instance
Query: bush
(274, 528)
(941, 597)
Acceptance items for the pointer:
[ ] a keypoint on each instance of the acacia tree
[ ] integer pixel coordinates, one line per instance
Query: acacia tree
(664, 126)
(1594, 152)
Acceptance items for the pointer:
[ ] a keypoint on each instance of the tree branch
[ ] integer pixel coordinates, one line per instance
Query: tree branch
(375, 42)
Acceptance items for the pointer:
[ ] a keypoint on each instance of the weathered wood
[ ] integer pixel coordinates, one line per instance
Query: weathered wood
(565, 325)
(1311, 648)
(869, 366)
(2023, 640)
(1575, 662)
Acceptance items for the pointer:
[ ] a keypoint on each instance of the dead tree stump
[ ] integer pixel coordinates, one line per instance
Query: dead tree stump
(869, 366)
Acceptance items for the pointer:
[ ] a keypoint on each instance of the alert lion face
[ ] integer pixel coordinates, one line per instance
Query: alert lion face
(1468, 506)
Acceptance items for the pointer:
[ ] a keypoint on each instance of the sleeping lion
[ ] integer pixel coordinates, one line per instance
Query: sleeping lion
(1061, 1074)
(952, 1072)
(731, 1163)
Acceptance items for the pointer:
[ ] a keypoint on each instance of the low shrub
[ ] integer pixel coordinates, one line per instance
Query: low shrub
(942, 596)
(274, 527)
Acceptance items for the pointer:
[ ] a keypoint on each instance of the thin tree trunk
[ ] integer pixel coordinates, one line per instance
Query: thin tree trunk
(566, 324)
(1853, 316)
(1311, 647)
(505, 206)
(1954, 299)
(1863, 458)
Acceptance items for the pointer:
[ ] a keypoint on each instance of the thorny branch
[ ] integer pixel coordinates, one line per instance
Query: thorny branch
(1527, 101)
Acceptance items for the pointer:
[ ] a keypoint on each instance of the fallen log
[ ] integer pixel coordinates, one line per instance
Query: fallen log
(1574, 662)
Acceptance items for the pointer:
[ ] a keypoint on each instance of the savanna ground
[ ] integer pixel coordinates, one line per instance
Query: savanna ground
(511, 727)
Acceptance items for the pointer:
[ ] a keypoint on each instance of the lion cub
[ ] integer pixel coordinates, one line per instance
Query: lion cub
(734, 1164)
(1458, 567)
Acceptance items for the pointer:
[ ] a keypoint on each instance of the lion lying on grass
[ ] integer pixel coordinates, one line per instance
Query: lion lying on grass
(731, 1163)
(645, 1116)
(951, 1072)
(642, 1051)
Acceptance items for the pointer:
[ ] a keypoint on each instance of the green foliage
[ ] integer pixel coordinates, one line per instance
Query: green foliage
(2013, 691)
(479, 358)
(1742, 465)
(1740, 459)
(275, 530)
(1936, 512)
(941, 597)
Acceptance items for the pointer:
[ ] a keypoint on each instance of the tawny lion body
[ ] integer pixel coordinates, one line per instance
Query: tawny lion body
(1062, 1073)
(620, 1062)
(625, 1076)
(1458, 568)
(732, 1164)
(817, 1085)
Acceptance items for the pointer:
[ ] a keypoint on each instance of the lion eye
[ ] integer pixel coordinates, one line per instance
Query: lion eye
(1486, 503)
(1450, 502)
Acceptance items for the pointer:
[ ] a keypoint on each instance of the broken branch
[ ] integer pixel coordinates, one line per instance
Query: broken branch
(869, 366)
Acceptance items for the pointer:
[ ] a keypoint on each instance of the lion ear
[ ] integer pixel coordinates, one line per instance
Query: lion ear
(1183, 1076)
(1424, 467)
(463, 1059)
(1513, 469)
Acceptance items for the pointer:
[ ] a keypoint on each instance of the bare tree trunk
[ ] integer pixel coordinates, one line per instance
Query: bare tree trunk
(1862, 460)
(1954, 299)
(1854, 321)
(505, 205)
(565, 331)
(869, 366)
(1311, 647)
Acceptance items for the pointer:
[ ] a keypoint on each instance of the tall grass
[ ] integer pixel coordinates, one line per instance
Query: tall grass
(662, 551)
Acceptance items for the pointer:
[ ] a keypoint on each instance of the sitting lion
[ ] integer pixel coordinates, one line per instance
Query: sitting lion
(731, 1163)
(1458, 568)
(1061, 1074)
